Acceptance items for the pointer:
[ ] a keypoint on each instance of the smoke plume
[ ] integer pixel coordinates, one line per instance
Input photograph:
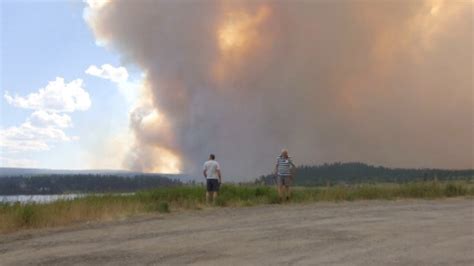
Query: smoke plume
(383, 82)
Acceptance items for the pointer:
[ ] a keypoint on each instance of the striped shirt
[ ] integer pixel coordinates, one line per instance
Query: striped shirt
(284, 166)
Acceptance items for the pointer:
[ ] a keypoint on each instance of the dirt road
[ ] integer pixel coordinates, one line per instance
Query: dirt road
(405, 232)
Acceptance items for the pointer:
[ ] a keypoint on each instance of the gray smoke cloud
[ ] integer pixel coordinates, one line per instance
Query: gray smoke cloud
(382, 82)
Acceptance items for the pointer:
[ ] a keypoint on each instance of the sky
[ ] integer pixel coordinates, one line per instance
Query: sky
(155, 86)
(47, 41)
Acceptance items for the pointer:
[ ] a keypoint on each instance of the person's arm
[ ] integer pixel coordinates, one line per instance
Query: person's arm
(292, 164)
(276, 168)
(293, 169)
(204, 172)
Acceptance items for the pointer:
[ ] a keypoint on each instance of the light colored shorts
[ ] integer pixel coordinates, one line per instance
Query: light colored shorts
(284, 180)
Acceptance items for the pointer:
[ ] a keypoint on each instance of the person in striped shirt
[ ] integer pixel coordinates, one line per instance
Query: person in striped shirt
(284, 169)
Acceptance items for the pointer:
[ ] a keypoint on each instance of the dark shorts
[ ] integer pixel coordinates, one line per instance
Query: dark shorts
(212, 185)
(284, 180)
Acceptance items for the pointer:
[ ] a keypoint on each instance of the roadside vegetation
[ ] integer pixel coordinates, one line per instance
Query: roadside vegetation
(14, 217)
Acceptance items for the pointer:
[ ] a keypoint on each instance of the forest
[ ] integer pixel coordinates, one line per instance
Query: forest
(316, 175)
(81, 183)
(357, 173)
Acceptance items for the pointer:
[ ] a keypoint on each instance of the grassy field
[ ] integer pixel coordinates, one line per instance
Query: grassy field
(111, 207)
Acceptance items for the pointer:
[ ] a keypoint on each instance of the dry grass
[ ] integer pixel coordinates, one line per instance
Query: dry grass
(110, 207)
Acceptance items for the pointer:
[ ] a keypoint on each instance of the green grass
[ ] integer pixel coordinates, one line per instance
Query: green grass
(111, 207)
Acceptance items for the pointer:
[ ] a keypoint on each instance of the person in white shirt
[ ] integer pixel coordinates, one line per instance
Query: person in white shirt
(212, 173)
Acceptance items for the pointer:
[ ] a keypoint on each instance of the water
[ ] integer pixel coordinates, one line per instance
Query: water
(49, 198)
(38, 198)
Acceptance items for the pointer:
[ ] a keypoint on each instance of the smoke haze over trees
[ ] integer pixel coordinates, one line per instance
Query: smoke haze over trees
(382, 82)
(357, 173)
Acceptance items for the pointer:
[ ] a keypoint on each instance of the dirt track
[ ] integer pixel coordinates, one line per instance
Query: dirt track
(361, 233)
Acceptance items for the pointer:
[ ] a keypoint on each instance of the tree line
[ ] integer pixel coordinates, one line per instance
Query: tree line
(317, 175)
(81, 183)
(354, 173)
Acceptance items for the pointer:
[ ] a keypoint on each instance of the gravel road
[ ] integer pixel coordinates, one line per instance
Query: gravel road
(403, 232)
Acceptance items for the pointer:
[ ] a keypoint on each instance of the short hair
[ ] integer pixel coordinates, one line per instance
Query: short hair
(212, 156)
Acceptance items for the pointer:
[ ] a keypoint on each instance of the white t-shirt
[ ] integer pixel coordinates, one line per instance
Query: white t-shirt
(211, 168)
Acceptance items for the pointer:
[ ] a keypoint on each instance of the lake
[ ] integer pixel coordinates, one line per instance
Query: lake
(37, 198)
(50, 198)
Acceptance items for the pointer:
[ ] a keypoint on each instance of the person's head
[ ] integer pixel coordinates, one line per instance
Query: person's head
(212, 157)
(284, 153)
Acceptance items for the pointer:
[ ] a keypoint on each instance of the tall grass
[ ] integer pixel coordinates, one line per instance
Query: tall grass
(110, 207)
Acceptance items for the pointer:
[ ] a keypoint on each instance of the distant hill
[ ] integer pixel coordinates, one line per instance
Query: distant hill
(28, 181)
(28, 172)
(353, 173)
(11, 172)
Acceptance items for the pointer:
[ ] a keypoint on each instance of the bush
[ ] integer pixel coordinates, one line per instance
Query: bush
(273, 199)
(27, 215)
(163, 207)
(221, 201)
(454, 190)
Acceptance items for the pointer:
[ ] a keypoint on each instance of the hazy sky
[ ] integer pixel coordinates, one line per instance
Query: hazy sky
(158, 85)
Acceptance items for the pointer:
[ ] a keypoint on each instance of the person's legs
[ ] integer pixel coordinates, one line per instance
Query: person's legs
(280, 191)
(208, 190)
(280, 186)
(288, 184)
(216, 190)
(283, 187)
(287, 192)
(212, 189)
